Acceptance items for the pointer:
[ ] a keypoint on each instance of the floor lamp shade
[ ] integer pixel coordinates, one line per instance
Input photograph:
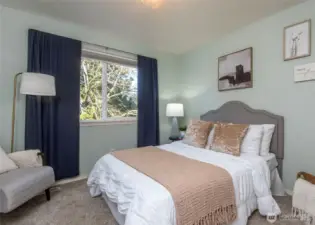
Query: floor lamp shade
(37, 84)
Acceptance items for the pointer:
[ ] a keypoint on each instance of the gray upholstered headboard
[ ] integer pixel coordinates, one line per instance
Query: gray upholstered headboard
(238, 112)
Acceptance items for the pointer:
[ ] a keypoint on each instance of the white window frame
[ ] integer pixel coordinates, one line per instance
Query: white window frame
(87, 53)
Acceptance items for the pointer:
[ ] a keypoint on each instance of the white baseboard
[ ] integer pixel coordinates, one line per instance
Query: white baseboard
(71, 180)
(288, 192)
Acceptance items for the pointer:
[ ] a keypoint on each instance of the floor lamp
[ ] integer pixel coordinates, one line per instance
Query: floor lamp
(31, 84)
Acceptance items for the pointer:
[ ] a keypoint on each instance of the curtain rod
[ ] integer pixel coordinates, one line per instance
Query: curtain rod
(108, 48)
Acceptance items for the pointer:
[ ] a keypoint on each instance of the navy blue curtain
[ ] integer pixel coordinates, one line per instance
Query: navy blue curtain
(52, 123)
(148, 102)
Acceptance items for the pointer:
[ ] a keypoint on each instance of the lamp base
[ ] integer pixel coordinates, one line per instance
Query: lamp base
(175, 131)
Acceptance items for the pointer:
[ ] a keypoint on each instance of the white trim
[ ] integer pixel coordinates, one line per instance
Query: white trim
(104, 90)
(71, 180)
(114, 121)
(109, 54)
(94, 48)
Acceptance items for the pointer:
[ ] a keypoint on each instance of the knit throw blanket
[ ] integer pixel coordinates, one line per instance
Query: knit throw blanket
(203, 194)
(303, 201)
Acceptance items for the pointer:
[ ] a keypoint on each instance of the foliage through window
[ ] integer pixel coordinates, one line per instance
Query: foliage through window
(108, 90)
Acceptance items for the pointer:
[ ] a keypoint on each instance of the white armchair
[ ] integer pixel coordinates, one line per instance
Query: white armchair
(20, 185)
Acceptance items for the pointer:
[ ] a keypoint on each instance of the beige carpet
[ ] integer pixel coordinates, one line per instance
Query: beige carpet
(72, 205)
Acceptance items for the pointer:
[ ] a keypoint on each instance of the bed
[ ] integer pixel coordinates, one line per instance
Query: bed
(135, 198)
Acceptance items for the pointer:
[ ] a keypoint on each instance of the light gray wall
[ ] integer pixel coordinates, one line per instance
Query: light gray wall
(274, 88)
(98, 140)
(94, 141)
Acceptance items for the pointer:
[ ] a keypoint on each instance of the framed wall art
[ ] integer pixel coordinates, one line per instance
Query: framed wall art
(304, 72)
(235, 70)
(297, 40)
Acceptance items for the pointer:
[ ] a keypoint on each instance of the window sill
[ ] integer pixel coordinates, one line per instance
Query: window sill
(108, 122)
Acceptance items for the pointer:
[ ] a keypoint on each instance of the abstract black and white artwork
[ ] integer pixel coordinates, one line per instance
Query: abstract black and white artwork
(297, 40)
(236, 70)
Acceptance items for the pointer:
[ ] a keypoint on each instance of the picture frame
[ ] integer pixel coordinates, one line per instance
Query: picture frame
(304, 72)
(235, 70)
(297, 40)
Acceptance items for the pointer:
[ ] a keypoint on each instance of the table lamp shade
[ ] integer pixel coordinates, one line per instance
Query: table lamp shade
(37, 84)
(174, 110)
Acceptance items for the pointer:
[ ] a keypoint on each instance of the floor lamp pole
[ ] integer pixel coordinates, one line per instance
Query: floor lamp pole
(13, 111)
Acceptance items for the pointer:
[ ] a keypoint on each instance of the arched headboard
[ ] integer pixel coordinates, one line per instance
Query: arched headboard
(239, 112)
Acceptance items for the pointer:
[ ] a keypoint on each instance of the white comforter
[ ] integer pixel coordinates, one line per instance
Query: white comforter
(143, 201)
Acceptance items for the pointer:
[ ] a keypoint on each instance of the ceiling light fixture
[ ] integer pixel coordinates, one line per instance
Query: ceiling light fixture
(154, 4)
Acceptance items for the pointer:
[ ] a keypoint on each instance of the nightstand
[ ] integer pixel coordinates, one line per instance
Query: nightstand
(175, 139)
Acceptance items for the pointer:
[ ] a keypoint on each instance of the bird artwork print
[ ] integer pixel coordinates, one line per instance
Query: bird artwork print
(295, 44)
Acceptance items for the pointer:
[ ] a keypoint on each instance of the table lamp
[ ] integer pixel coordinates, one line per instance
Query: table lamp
(37, 84)
(175, 110)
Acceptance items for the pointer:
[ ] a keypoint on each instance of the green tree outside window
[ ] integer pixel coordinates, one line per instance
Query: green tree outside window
(107, 90)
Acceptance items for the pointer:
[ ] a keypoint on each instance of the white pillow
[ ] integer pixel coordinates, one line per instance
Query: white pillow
(6, 164)
(266, 140)
(27, 159)
(252, 140)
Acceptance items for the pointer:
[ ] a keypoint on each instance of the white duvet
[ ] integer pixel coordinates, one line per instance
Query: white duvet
(143, 201)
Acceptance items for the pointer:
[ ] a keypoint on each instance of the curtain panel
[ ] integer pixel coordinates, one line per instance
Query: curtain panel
(52, 123)
(148, 102)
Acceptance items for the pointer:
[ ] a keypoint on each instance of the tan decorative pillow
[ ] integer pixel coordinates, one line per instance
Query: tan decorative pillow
(27, 159)
(228, 138)
(211, 134)
(197, 133)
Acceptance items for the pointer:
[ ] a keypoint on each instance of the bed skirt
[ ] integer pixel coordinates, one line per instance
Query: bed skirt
(243, 211)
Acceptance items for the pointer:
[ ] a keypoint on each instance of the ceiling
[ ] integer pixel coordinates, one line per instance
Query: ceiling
(177, 26)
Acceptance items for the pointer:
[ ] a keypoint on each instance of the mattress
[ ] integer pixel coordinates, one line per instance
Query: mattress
(131, 191)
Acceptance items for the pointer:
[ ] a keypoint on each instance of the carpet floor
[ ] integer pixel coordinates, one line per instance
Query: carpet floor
(72, 205)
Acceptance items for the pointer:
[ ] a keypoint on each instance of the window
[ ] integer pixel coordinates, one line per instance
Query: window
(108, 87)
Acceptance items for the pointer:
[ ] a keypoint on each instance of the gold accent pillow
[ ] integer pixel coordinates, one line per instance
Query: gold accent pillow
(228, 138)
(197, 133)
(211, 134)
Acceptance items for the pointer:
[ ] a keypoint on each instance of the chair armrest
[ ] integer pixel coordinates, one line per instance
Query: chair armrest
(306, 176)
(40, 154)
